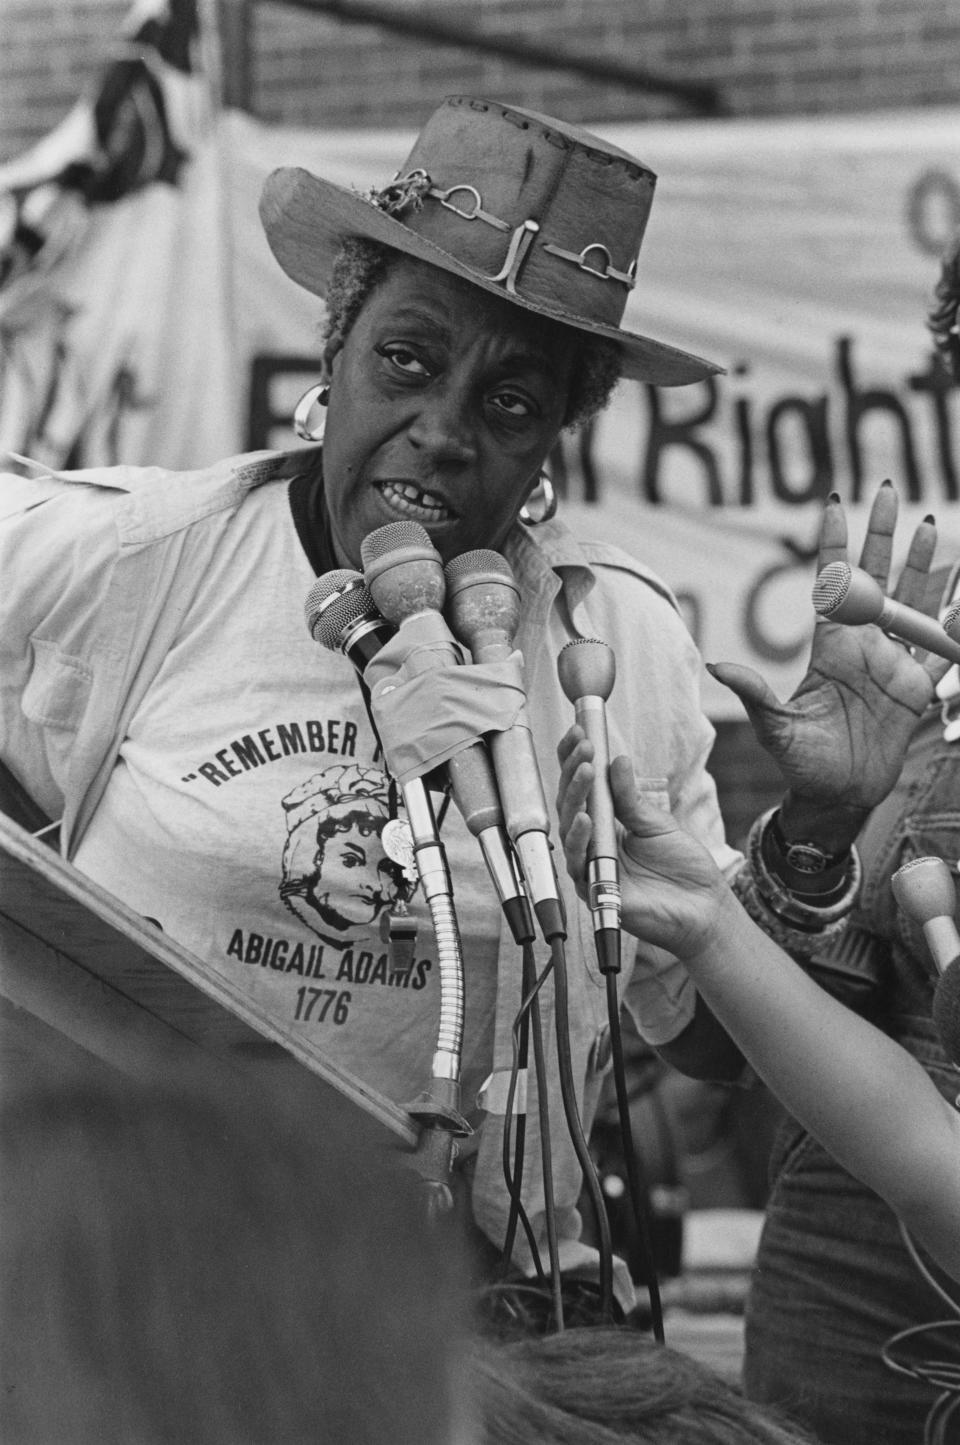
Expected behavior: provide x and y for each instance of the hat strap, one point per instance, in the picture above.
(417, 186)
(608, 271)
(477, 214)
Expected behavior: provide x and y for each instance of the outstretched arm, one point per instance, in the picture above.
(863, 1096)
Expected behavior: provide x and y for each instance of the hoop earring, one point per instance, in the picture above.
(544, 494)
(318, 395)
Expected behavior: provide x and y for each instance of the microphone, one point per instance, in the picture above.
(483, 608)
(849, 595)
(587, 670)
(925, 890)
(405, 578)
(951, 621)
(341, 615)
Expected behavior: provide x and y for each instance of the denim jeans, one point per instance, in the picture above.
(834, 1280)
(833, 1283)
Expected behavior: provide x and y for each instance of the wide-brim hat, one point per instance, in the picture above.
(529, 208)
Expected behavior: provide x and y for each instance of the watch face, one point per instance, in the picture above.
(807, 858)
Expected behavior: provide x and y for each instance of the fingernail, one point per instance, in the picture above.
(886, 482)
(834, 497)
(931, 519)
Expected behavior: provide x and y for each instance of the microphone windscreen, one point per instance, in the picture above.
(586, 667)
(946, 1010)
(924, 889)
(951, 621)
(327, 592)
(480, 563)
(403, 570)
(831, 587)
(332, 622)
(482, 596)
(408, 539)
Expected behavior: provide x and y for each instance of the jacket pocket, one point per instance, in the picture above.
(58, 689)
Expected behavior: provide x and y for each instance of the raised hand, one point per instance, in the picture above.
(670, 886)
(840, 740)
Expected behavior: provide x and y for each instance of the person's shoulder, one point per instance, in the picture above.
(154, 496)
(621, 568)
(610, 565)
(252, 467)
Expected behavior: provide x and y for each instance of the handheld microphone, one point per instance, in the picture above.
(587, 670)
(483, 608)
(849, 595)
(951, 621)
(925, 890)
(405, 579)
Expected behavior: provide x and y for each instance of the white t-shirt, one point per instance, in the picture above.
(244, 816)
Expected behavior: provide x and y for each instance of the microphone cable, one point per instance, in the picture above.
(639, 1191)
(528, 1019)
(575, 1128)
(546, 1149)
(513, 1169)
(942, 1374)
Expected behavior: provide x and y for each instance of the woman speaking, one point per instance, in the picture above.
(212, 766)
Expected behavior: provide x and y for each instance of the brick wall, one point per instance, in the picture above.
(767, 57)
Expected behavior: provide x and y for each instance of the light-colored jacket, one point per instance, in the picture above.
(98, 569)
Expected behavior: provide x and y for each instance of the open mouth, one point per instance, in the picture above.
(411, 501)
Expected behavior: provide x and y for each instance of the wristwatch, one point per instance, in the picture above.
(807, 858)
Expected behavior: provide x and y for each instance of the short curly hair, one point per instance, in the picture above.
(361, 264)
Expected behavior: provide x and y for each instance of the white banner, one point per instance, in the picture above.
(801, 255)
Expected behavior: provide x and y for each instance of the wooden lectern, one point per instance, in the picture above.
(79, 971)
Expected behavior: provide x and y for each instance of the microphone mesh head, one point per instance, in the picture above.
(483, 599)
(393, 537)
(924, 889)
(334, 601)
(586, 668)
(479, 561)
(951, 622)
(831, 587)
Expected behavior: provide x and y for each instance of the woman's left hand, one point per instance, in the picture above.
(841, 739)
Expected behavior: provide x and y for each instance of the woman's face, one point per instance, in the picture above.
(444, 403)
(350, 878)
